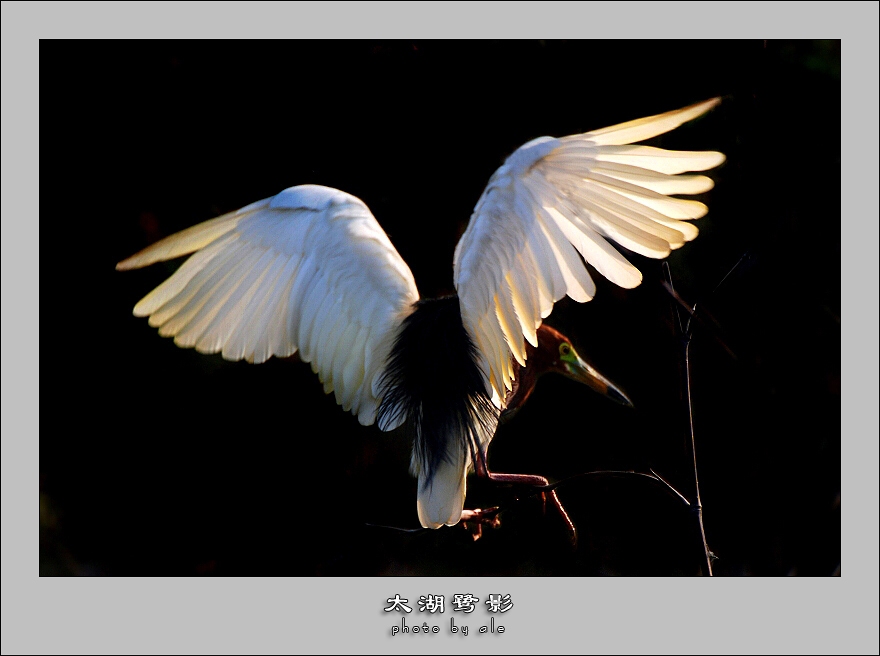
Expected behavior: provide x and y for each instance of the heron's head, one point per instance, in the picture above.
(555, 353)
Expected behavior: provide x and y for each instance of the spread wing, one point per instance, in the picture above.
(307, 270)
(556, 200)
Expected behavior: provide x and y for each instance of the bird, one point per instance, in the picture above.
(310, 271)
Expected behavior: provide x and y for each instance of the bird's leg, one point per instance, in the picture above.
(538, 481)
(533, 480)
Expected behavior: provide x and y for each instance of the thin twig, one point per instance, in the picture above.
(617, 474)
(676, 492)
(742, 258)
(697, 506)
(396, 528)
(703, 316)
(685, 335)
(539, 489)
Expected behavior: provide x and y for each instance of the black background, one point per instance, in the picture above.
(157, 460)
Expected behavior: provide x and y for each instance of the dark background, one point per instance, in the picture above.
(160, 461)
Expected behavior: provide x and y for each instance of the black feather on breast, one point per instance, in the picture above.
(433, 377)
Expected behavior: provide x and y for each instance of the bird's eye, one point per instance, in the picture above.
(564, 349)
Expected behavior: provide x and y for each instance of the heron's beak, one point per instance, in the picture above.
(582, 371)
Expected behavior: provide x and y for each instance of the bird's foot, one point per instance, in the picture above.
(473, 520)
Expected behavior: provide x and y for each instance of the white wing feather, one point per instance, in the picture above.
(307, 270)
(557, 200)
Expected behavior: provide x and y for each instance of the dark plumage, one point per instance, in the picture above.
(432, 376)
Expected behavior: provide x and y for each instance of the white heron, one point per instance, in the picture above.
(310, 270)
